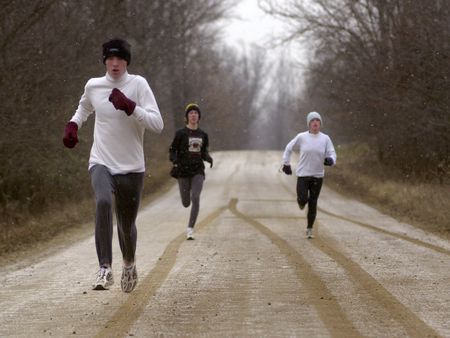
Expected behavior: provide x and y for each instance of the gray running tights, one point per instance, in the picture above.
(190, 190)
(126, 191)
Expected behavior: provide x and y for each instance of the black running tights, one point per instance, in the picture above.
(308, 191)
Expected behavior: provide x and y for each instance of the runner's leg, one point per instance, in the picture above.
(314, 187)
(128, 197)
(103, 187)
(184, 183)
(302, 192)
(196, 189)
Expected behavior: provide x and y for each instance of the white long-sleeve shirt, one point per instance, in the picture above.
(314, 148)
(118, 138)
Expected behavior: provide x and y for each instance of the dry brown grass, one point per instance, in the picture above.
(359, 174)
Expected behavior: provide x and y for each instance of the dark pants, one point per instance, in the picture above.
(308, 190)
(190, 190)
(126, 191)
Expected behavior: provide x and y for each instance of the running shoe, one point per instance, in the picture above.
(190, 233)
(104, 279)
(129, 278)
(309, 233)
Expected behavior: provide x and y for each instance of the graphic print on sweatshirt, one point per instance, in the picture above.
(195, 144)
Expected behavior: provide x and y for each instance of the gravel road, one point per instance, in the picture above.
(250, 272)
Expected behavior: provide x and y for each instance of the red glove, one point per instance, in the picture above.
(120, 101)
(70, 138)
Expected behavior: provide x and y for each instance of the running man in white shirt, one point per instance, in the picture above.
(124, 106)
(316, 150)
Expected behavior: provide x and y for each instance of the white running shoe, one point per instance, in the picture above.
(189, 233)
(104, 279)
(309, 233)
(129, 278)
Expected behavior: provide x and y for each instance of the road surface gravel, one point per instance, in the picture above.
(250, 272)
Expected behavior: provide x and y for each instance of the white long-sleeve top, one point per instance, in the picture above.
(118, 138)
(314, 148)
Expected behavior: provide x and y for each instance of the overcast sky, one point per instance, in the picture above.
(251, 25)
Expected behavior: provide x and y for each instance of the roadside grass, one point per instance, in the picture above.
(358, 174)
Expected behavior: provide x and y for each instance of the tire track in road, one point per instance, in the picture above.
(130, 311)
(414, 326)
(364, 282)
(390, 233)
(380, 230)
(329, 310)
